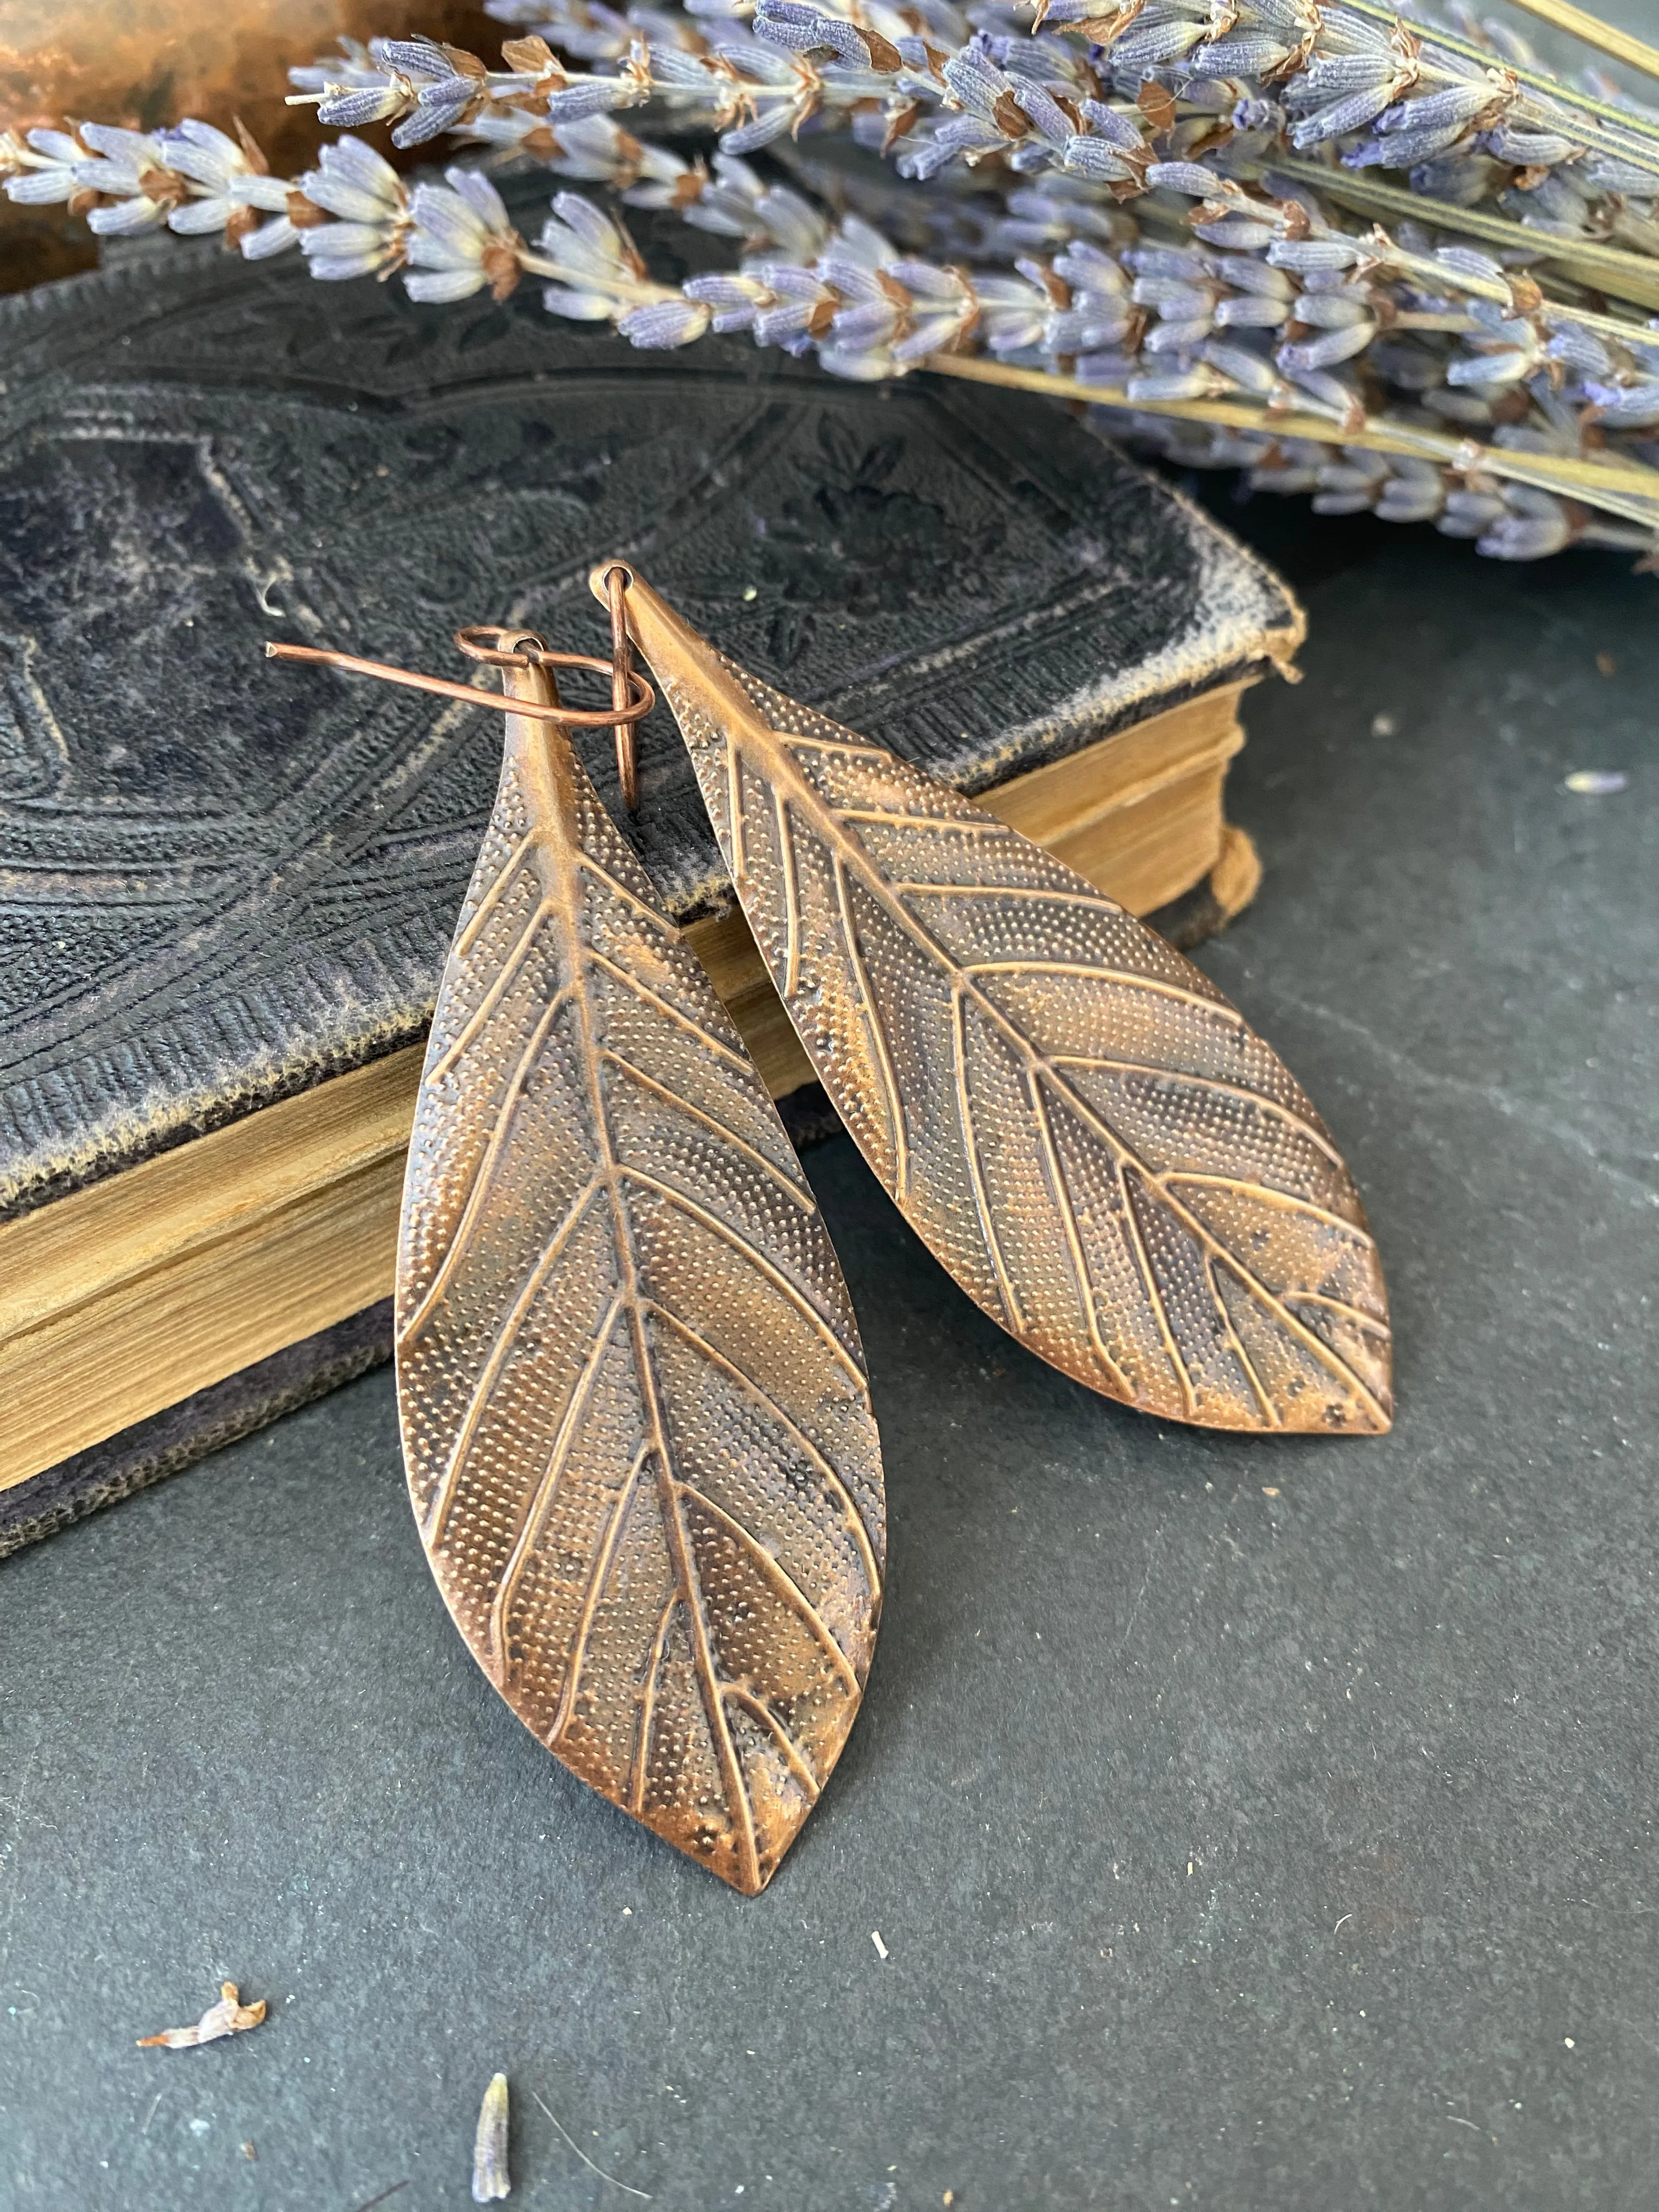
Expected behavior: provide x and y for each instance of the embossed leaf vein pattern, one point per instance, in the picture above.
(635, 1419)
(1084, 1130)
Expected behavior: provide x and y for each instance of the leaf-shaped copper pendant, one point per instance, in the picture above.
(635, 1413)
(1081, 1127)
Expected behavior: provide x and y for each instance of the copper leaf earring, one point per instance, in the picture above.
(1079, 1126)
(634, 1414)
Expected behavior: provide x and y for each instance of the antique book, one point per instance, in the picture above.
(229, 886)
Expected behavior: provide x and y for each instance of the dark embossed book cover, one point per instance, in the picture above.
(223, 882)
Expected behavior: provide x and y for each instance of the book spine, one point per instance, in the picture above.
(176, 1438)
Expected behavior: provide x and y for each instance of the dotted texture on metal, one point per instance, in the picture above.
(632, 1399)
(1086, 1133)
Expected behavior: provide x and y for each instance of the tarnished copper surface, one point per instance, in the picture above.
(635, 1415)
(628, 764)
(632, 697)
(1085, 1132)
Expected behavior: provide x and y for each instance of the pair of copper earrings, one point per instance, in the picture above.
(634, 1413)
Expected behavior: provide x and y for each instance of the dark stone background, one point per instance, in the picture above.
(1260, 1826)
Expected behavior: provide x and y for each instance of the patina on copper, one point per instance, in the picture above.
(636, 1421)
(632, 701)
(1081, 1127)
(628, 768)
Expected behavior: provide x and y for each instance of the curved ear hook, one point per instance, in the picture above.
(617, 581)
(632, 697)
(485, 641)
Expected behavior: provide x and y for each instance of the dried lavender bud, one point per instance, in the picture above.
(733, 300)
(1252, 312)
(1307, 255)
(230, 2016)
(1325, 352)
(1249, 371)
(1631, 406)
(131, 168)
(576, 102)
(1411, 497)
(1341, 117)
(1332, 310)
(664, 323)
(213, 165)
(460, 241)
(1184, 177)
(1526, 536)
(491, 2179)
(39, 166)
(1458, 104)
(1527, 148)
(1198, 382)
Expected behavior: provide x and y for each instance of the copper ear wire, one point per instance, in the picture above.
(473, 639)
(632, 697)
(617, 581)
(529, 649)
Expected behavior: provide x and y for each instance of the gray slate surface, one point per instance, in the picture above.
(1257, 1852)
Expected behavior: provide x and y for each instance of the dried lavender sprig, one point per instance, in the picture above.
(800, 24)
(600, 33)
(670, 321)
(985, 109)
(1196, 321)
(457, 239)
(351, 216)
(1339, 71)
(802, 64)
(1022, 101)
(189, 178)
(1507, 520)
(749, 91)
(1193, 297)
(1311, 76)
(1610, 268)
(880, 315)
(1514, 330)
(868, 311)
